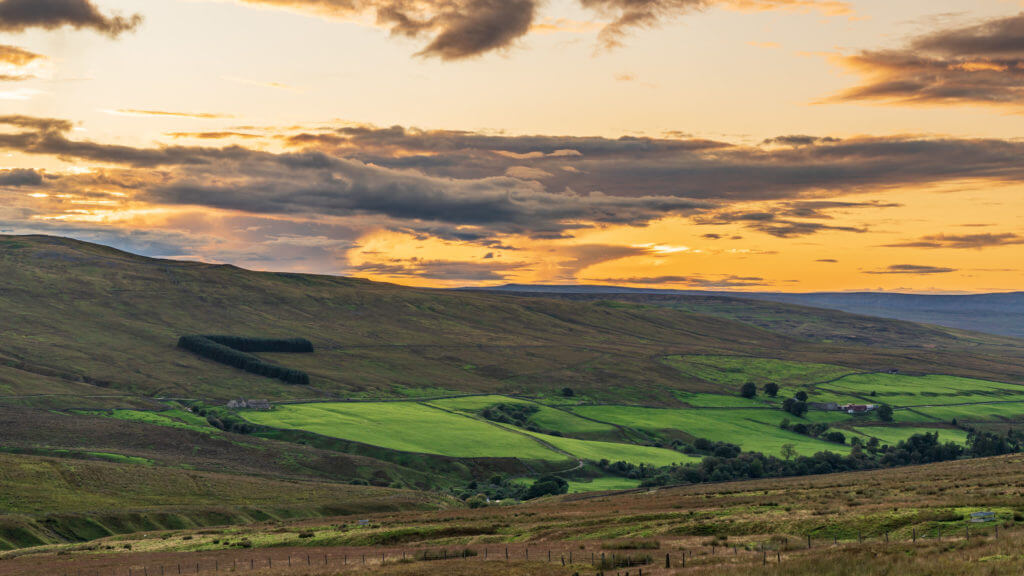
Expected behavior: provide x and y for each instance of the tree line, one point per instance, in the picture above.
(222, 349)
(723, 461)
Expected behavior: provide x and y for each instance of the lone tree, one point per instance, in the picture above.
(788, 451)
(885, 413)
(801, 396)
(748, 390)
(771, 389)
(568, 392)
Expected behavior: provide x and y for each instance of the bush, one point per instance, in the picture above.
(547, 486)
(771, 389)
(568, 392)
(885, 413)
(748, 390)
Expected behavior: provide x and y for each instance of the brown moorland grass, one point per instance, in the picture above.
(859, 523)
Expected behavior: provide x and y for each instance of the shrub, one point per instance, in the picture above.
(748, 390)
(771, 389)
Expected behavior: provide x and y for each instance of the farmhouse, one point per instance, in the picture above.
(858, 408)
(242, 403)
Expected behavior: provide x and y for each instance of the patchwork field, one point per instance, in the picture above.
(750, 429)
(903, 390)
(734, 371)
(546, 417)
(893, 435)
(406, 426)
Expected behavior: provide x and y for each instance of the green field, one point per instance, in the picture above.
(602, 484)
(893, 435)
(734, 371)
(406, 426)
(703, 400)
(753, 430)
(977, 412)
(174, 418)
(546, 417)
(616, 452)
(936, 389)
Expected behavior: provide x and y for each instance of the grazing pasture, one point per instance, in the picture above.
(615, 452)
(935, 389)
(892, 435)
(750, 429)
(734, 371)
(406, 426)
(546, 417)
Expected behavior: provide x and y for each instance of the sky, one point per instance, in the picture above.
(748, 145)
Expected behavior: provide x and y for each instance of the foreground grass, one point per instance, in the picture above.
(859, 524)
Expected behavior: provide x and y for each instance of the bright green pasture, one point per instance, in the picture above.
(976, 412)
(902, 390)
(753, 430)
(702, 400)
(170, 418)
(602, 484)
(734, 371)
(615, 452)
(546, 417)
(893, 435)
(406, 426)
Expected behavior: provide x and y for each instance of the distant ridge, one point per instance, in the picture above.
(1000, 313)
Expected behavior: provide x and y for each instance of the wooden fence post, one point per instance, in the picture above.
(668, 560)
(915, 535)
(808, 541)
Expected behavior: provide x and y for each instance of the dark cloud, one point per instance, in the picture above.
(460, 186)
(912, 269)
(978, 64)
(20, 177)
(460, 29)
(828, 261)
(962, 241)
(690, 281)
(21, 15)
(681, 167)
(780, 223)
(800, 140)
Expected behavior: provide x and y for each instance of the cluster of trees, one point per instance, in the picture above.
(817, 430)
(516, 415)
(749, 390)
(207, 347)
(481, 493)
(918, 449)
(223, 419)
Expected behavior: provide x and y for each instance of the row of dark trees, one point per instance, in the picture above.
(918, 449)
(214, 348)
(247, 344)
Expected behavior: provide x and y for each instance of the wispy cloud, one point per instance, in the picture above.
(912, 269)
(962, 241)
(167, 114)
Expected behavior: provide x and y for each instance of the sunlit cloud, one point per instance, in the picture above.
(979, 64)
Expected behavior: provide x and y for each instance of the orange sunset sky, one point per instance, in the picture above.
(793, 145)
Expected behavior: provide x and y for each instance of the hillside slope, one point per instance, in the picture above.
(93, 322)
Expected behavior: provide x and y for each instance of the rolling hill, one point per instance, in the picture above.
(1000, 313)
(439, 391)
